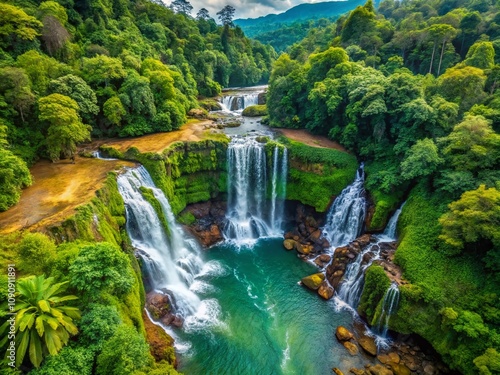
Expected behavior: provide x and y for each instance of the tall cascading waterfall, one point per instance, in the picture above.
(389, 306)
(252, 212)
(352, 285)
(239, 102)
(347, 214)
(171, 259)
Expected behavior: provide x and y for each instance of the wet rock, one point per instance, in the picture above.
(384, 358)
(379, 370)
(315, 236)
(325, 290)
(336, 371)
(209, 236)
(429, 370)
(322, 260)
(158, 305)
(343, 334)
(399, 369)
(364, 240)
(357, 371)
(303, 249)
(351, 348)
(394, 357)
(289, 244)
(368, 345)
(313, 281)
(288, 236)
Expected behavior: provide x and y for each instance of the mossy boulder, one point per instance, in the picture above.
(325, 290)
(313, 281)
(255, 111)
(289, 244)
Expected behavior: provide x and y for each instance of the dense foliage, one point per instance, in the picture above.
(69, 70)
(412, 88)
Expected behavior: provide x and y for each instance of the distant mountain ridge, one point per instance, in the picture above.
(302, 12)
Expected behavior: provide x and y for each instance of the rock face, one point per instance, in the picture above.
(343, 334)
(162, 309)
(313, 281)
(209, 221)
(161, 345)
(261, 98)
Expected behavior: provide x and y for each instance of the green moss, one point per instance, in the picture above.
(255, 111)
(186, 218)
(148, 195)
(376, 285)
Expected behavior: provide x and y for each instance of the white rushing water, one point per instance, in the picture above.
(352, 285)
(346, 216)
(389, 306)
(237, 103)
(172, 260)
(254, 213)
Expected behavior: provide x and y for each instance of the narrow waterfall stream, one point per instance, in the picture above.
(346, 216)
(389, 306)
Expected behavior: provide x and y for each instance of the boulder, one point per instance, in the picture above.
(315, 236)
(289, 244)
(158, 304)
(399, 369)
(336, 371)
(384, 359)
(325, 290)
(303, 249)
(322, 260)
(394, 357)
(357, 371)
(368, 344)
(351, 348)
(343, 334)
(209, 236)
(379, 370)
(313, 281)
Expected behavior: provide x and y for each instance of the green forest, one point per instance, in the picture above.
(412, 88)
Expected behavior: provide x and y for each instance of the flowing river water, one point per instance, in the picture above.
(244, 311)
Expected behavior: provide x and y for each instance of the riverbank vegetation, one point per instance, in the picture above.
(72, 70)
(412, 89)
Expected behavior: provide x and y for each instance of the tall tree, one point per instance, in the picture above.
(226, 15)
(182, 7)
(66, 129)
(203, 14)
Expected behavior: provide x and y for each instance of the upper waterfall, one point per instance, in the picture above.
(255, 191)
(171, 259)
(346, 216)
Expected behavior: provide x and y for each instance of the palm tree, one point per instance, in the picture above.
(43, 322)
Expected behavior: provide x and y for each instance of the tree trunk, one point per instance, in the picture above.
(441, 57)
(432, 58)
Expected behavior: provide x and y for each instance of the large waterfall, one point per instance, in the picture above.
(347, 214)
(239, 102)
(255, 192)
(171, 259)
(352, 285)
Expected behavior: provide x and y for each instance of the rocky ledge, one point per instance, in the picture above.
(207, 221)
(403, 357)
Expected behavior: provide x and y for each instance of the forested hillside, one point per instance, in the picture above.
(412, 88)
(72, 70)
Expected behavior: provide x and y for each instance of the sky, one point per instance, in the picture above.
(246, 8)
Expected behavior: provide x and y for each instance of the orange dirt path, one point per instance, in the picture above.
(303, 136)
(157, 142)
(57, 189)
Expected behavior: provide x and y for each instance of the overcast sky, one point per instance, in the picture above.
(246, 8)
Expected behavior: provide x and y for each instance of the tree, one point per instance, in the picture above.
(14, 175)
(182, 7)
(463, 86)
(36, 253)
(16, 24)
(421, 160)
(488, 363)
(481, 55)
(15, 86)
(226, 15)
(114, 111)
(439, 33)
(78, 90)
(203, 14)
(66, 129)
(124, 353)
(473, 217)
(101, 267)
(44, 323)
(102, 70)
(472, 145)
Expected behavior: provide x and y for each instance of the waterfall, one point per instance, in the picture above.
(234, 103)
(352, 286)
(390, 229)
(347, 214)
(171, 259)
(250, 215)
(389, 306)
